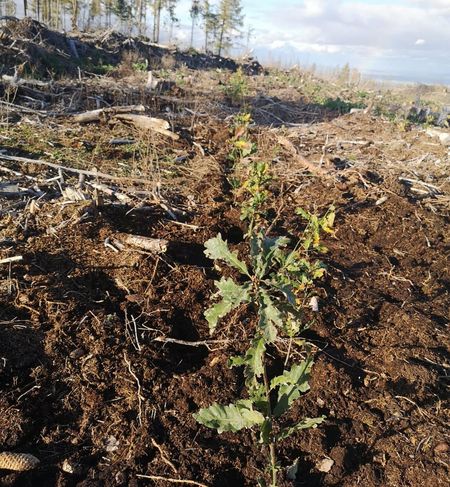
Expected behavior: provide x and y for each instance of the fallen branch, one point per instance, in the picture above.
(96, 115)
(18, 108)
(430, 187)
(187, 225)
(17, 81)
(95, 174)
(139, 389)
(163, 456)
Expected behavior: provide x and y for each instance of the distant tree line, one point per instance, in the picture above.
(219, 20)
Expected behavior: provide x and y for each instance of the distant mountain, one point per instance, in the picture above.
(288, 54)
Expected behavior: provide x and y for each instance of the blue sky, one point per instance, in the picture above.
(400, 39)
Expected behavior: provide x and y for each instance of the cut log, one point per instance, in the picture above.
(148, 123)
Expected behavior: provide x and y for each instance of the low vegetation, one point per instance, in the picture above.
(275, 286)
(125, 207)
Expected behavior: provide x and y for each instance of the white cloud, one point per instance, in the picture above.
(305, 46)
(394, 34)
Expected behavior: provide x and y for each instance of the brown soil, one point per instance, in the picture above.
(86, 387)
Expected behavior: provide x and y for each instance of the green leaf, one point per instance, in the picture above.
(327, 221)
(232, 292)
(233, 417)
(307, 243)
(288, 292)
(303, 213)
(270, 317)
(217, 249)
(304, 424)
(232, 296)
(291, 384)
(293, 323)
(215, 312)
(264, 251)
(258, 396)
(264, 432)
(253, 362)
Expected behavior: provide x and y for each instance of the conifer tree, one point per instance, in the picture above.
(194, 12)
(230, 18)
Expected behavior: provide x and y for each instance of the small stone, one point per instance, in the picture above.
(214, 361)
(314, 303)
(380, 458)
(381, 200)
(442, 135)
(325, 465)
(441, 448)
(112, 444)
(77, 353)
(67, 467)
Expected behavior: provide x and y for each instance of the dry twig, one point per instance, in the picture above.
(139, 394)
(8, 260)
(163, 456)
(173, 481)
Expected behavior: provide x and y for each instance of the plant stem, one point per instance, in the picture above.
(272, 451)
(288, 352)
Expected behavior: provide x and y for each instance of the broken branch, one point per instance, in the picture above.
(95, 174)
(154, 245)
(96, 115)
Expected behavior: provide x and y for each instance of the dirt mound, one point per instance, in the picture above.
(42, 52)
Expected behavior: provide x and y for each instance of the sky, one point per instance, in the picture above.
(404, 40)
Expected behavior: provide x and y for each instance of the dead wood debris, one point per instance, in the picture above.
(87, 192)
(97, 115)
(153, 245)
(148, 123)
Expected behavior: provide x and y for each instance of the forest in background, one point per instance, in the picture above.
(214, 26)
